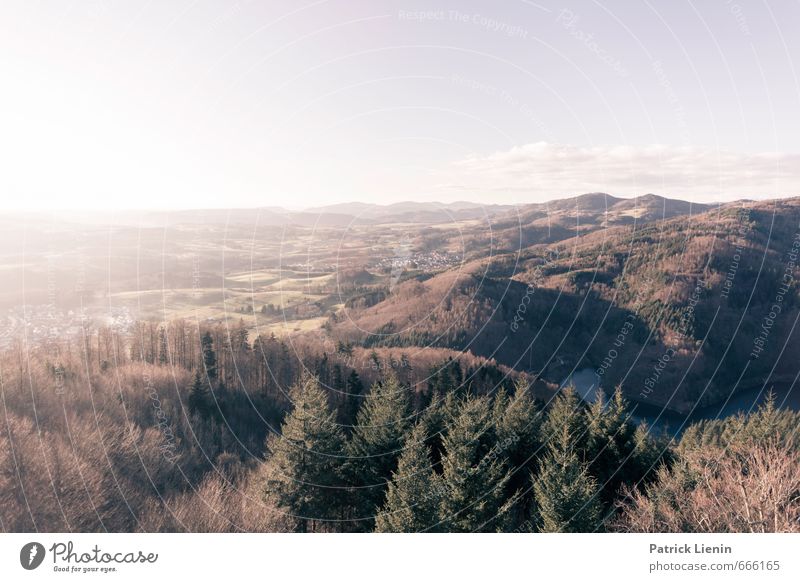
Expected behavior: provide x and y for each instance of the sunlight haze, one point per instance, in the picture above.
(209, 104)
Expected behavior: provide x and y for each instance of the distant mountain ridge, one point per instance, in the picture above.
(589, 210)
(590, 204)
(420, 212)
(552, 221)
(645, 207)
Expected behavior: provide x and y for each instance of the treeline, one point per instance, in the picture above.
(181, 428)
(223, 357)
(464, 463)
(501, 463)
(115, 432)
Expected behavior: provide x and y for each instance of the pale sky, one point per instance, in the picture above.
(185, 104)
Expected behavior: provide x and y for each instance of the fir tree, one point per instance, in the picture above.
(446, 378)
(163, 347)
(474, 477)
(344, 349)
(610, 442)
(209, 356)
(436, 417)
(240, 341)
(323, 370)
(302, 475)
(198, 396)
(382, 425)
(411, 499)
(648, 455)
(339, 388)
(354, 388)
(565, 492)
(567, 409)
(375, 359)
(518, 426)
(764, 424)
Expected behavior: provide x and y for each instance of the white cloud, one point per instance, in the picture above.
(547, 170)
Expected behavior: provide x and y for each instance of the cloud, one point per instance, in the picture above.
(552, 170)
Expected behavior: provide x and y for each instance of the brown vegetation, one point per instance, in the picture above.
(751, 488)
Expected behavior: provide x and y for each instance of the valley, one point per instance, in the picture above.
(661, 297)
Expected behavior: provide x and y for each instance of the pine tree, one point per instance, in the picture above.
(344, 349)
(647, 456)
(163, 347)
(474, 477)
(411, 499)
(240, 340)
(354, 388)
(209, 356)
(339, 388)
(375, 359)
(764, 424)
(565, 492)
(518, 426)
(446, 378)
(198, 396)
(323, 370)
(436, 417)
(567, 409)
(382, 425)
(610, 441)
(302, 475)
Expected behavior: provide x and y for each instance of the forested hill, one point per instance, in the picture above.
(679, 312)
(148, 436)
(557, 220)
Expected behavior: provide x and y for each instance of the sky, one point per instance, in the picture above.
(199, 104)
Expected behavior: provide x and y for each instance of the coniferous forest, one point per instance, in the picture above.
(188, 428)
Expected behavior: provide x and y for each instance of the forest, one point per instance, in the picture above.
(203, 428)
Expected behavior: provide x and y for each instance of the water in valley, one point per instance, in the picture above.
(587, 385)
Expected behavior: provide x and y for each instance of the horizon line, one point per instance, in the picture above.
(312, 208)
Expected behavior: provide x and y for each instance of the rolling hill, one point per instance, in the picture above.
(680, 304)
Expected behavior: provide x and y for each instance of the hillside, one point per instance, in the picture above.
(674, 310)
(557, 220)
(494, 318)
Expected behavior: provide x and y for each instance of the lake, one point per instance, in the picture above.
(587, 384)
